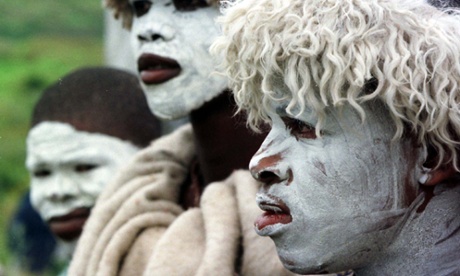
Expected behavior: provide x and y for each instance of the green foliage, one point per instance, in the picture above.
(27, 67)
(70, 18)
(40, 41)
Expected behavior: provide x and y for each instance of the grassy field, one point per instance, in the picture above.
(39, 42)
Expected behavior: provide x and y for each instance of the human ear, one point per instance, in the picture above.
(432, 174)
(431, 177)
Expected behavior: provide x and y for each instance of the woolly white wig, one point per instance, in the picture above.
(329, 52)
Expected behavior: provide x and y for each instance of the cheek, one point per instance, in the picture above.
(94, 182)
(326, 179)
(312, 180)
(134, 42)
(309, 163)
(37, 193)
(136, 29)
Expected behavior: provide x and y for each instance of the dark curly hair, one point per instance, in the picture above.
(101, 100)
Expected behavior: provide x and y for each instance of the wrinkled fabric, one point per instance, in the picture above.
(138, 228)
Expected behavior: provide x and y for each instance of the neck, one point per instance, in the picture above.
(428, 244)
(223, 142)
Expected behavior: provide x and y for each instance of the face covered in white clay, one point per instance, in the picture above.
(69, 169)
(333, 202)
(171, 47)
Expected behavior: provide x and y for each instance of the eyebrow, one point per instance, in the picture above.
(189, 5)
(85, 158)
(32, 166)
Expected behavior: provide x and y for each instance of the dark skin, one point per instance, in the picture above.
(223, 144)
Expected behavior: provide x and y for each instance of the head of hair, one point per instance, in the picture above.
(122, 8)
(327, 53)
(100, 100)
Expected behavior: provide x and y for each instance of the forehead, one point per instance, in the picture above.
(53, 142)
(49, 133)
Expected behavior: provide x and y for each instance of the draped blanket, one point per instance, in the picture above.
(138, 228)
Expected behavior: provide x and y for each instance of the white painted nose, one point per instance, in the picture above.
(62, 189)
(156, 32)
(269, 168)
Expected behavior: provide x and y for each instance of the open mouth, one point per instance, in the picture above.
(70, 226)
(155, 69)
(275, 212)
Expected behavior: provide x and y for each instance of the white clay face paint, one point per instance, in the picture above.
(348, 191)
(188, 36)
(69, 169)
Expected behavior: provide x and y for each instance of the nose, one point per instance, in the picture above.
(268, 177)
(62, 189)
(269, 169)
(156, 32)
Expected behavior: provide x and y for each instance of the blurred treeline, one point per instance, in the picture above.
(40, 41)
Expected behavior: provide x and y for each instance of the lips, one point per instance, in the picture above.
(70, 226)
(155, 69)
(275, 212)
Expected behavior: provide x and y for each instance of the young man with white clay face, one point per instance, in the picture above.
(84, 128)
(183, 207)
(360, 168)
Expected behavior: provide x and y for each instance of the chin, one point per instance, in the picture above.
(170, 114)
(305, 269)
(298, 266)
(167, 109)
(318, 261)
(170, 106)
(313, 261)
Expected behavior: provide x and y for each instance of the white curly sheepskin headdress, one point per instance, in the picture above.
(326, 52)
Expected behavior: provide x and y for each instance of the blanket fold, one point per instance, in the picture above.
(142, 196)
(138, 228)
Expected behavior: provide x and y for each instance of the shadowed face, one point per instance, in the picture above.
(170, 42)
(335, 201)
(69, 169)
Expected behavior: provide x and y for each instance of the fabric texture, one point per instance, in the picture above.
(138, 228)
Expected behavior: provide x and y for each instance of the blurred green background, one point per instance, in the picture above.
(40, 41)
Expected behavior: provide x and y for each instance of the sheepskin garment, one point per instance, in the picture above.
(138, 228)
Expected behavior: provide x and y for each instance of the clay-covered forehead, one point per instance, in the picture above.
(122, 8)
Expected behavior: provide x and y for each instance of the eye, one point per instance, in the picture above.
(42, 173)
(189, 5)
(81, 168)
(141, 7)
(300, 129)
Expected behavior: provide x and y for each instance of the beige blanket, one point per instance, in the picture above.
(137, 227)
